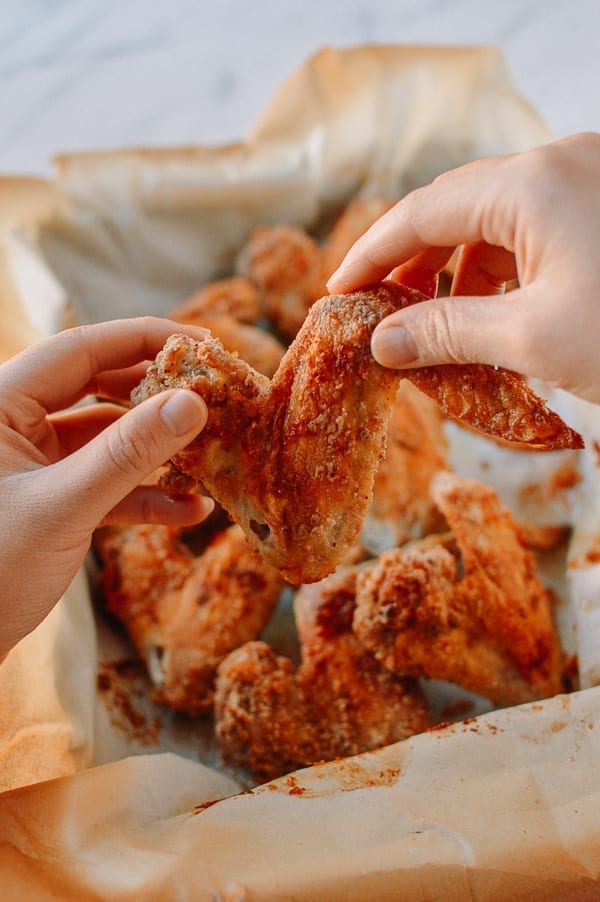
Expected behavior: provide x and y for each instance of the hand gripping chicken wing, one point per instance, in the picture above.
(286, 265)
(483, 621)
(184, 614)
(292, 459)
(339, 702)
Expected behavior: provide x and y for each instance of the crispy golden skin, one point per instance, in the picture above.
(286, 265)
(236, 297)
(492, 400)
(184, 614)
(292, 459)
(417, 448)
(261, 350)
(228, 308)
(489, 629)
(290, 268)
(339, 702)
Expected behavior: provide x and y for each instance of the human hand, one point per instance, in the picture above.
(534, 216)
(63, 472)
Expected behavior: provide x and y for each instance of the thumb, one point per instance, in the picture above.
(103, 472)
(452, 330)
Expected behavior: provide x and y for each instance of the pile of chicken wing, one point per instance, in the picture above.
(335, 473)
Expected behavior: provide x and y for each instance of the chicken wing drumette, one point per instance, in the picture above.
(479, 617)
(290, 268)
(339, 702)
(185, 613)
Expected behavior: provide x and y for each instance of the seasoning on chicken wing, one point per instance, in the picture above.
(292, 459)
(339, 702)
(184, 614)
(417, 447)
(483, 621)
(227, 308)
(286, 265)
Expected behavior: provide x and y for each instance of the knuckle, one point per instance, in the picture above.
(444, 336)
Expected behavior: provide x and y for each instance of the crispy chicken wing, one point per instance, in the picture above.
(417, 448)
(287, 267)
(339, 702)
(184, 614)
(290, 268)
(292, 459)
(480, 618)
(258, 348)
(228, 308)
(236, 297)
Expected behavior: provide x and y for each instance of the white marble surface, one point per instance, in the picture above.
(83, 74)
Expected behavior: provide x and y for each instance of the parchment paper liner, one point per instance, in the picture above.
(502, 806)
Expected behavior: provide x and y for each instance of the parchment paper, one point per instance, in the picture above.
(503, 806)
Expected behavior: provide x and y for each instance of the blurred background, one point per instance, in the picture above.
(88, 74)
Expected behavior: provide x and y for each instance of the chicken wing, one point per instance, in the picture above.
(228, 308)
(480, 617)
(293, 460)
(339, 702)
(184, 614)
(290, 268)
(287, 267)
(417, 448)
(236, 297)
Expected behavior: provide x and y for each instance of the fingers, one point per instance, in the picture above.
(148, 504)
(80, 355)
(75, 428)
(462, 206)
(422, 271)
(483, 269)
(96, 478)
(452, 330)
(117, 384)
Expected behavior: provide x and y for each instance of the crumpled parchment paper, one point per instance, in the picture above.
(502, 806)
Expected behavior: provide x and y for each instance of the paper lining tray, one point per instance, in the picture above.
(495, 807)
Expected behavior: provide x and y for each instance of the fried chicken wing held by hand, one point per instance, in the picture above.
(417, 448)
(339, 702)
(490, 629)
(492, 400)
(287, 267)
(292, 460)
(184, 614)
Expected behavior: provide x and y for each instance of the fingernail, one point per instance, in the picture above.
(182, 412)
(331, 282)
(393, 346)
